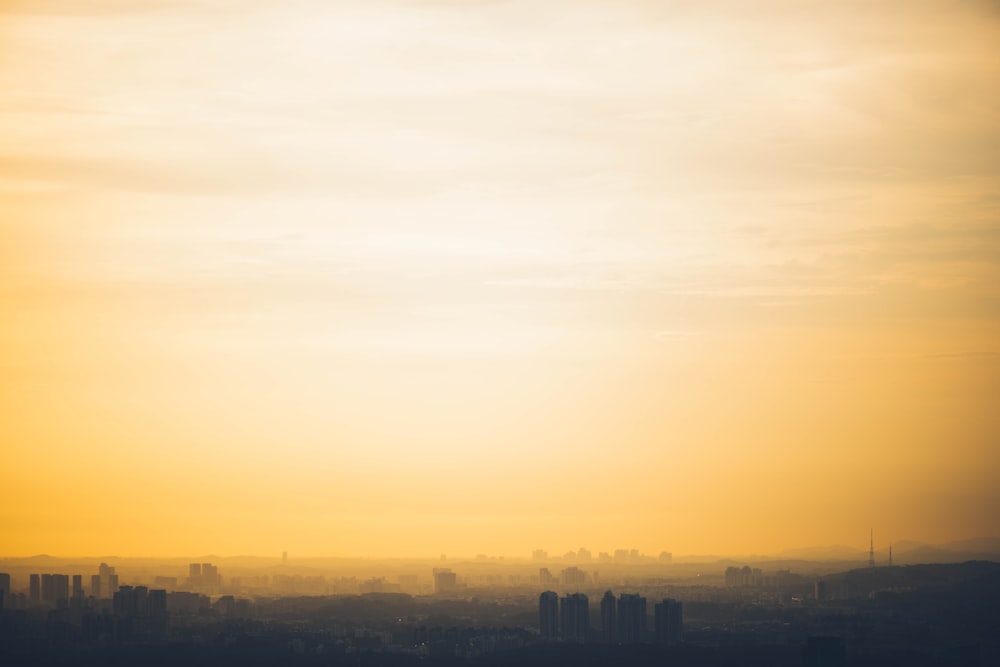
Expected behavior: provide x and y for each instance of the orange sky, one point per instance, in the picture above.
(412, 277)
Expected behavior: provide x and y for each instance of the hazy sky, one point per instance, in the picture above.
(411, 277)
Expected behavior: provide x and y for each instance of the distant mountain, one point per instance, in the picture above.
(905, 552)
(837, 552)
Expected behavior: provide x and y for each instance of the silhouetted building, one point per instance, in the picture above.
(60, 589)
(574, 617)
(48, 589)
(631, 618)
(95, 585)
(548, 614)
(444, 580)
(668, 621)
(4, 590)
(194, 570)
(573, 577)
(77, 586)
(35, 589)
(609, 618)
(210, 575)
(109, 580)
(157, 603)
(545, 577)
(819, 590)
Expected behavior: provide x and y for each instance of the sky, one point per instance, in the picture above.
(401, 278)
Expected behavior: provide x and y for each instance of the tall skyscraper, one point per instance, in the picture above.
(548, 614)
(95, 585)
(609, 618)
(35, 588)
(574, 617)
(109, 580)
(631, 618)
(668, 621)
(60, 589)
(77, 586)
(4, 589)
(48, 589)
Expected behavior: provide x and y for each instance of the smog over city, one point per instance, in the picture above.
(499, 332)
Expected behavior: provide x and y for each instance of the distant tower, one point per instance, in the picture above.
(871, 548)
(890, 555)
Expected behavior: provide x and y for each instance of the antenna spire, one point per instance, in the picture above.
(871, 548)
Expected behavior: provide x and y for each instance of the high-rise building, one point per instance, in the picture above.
(95, 585)
(573, 577)
(35, 588)
(77, 586)
(60, 589)
(4, 589)
(444, 580)
(574, 617)
(668, 621)
(194, 570)
(631, 618)
(157, 603)
(609, 618)
(210, 574)
(48, 589)
(109, 580)
(548, 614)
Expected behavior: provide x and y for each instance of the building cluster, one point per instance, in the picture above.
(203, 575)
(445, 581)
(618, 556)
(624, 620)
(754, 577)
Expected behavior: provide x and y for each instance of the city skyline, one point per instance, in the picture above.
(422, 277)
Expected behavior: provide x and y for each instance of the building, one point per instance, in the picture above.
(668, 621)
(35, 588)
(444, 580)
(631, 618)
(574, 617)
(77, 586)
(548, 614)
(573, 577)
(609, 618)
(108, 581)
(60, 589)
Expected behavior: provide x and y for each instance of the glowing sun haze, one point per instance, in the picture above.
(411, 277)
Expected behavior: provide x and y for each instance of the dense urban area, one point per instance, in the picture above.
(613, 608)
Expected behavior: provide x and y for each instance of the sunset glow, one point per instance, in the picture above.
(420, 277)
